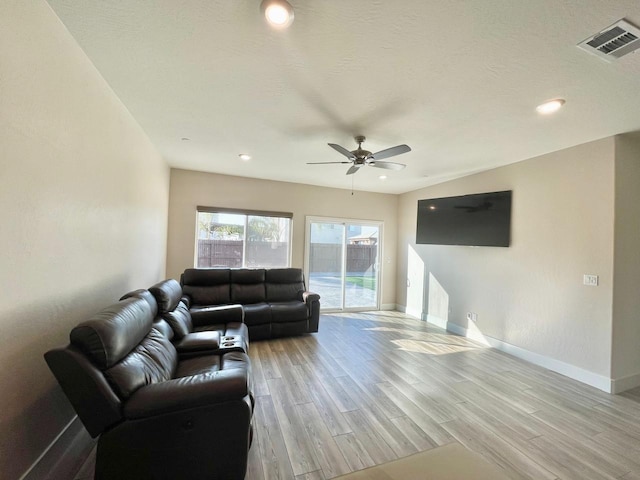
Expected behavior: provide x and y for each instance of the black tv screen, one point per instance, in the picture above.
(482, 219)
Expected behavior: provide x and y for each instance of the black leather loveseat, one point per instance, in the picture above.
(275, 301)
(219, 329)
(158, 415)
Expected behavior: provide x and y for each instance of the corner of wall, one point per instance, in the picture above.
(625, 354)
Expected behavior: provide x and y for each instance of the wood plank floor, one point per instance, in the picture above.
(373, 387)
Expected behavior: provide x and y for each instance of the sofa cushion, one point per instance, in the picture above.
(284, 275)
(247, 276)
(284, 284)
(146, 295)
(168, 294)
(247, 286)
(205, 277)
(153, 360)
(180, 320)
(257, 314)
(163, 327)
(198, 365)
(207, 286)
(288, 311)
(113, 332)
(213, 295)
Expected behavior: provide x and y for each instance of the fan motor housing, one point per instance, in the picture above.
(361, 154)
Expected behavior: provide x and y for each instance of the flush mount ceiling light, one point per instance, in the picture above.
(382, 177)
(551, 106)
(279, 13)
(245, 157)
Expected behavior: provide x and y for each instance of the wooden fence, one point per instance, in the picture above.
(228, 253)
(323, 258)
(327, 257)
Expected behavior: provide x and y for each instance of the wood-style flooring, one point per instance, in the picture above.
(373, 387)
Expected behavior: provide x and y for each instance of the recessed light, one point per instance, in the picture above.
(551, 106)
(382, 177)
(244, 156)
(279, 13)
(185, 139)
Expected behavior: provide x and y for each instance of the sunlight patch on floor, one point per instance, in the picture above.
(430, 348)
(431, 337)
(389, 317)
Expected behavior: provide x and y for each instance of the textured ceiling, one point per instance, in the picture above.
(458, 81)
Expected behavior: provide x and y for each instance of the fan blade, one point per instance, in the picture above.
(388, 165)
(391, 152)
(327, 163)
(353, 169)
(342, 150)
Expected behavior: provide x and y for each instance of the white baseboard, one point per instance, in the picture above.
(600, 382)
(415, 313)
(64, 456)
(437, 321)
(623, 384)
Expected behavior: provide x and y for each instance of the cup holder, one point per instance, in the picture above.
(228, 339)
(228, 344)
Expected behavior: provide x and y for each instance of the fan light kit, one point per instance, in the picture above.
(364, 158)
(279, 13)
(244, 157)
(551, 106)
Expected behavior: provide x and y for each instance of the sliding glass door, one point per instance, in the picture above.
(342, 263)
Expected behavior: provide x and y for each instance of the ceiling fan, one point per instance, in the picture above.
(359, 157)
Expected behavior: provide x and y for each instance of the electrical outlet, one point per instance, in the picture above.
(472, 316)
(591, 280)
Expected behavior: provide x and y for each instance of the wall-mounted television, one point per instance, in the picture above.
(482, 219)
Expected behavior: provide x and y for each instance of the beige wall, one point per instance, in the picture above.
(190, 189)
(529, 295)
(84, 199)
(626, 293)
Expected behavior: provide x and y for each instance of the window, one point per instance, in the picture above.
(242, 238)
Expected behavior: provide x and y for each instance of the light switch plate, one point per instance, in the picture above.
(590, 280)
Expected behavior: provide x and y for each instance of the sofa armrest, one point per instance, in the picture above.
(203, 315)
(188, 392)
(206, 341)
(312, 301)
(93, 399)
(308, 297)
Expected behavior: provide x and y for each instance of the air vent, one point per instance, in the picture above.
(614, 41)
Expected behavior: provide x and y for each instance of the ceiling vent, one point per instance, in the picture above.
(613, 42)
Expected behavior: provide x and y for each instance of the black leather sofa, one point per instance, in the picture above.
(159, 415)
(275, 301)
